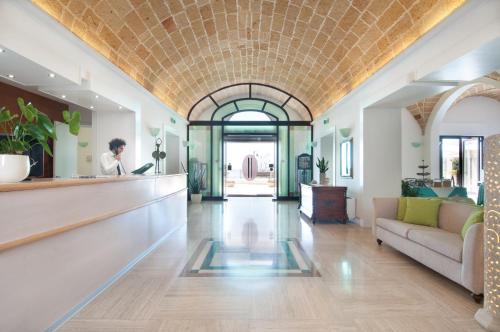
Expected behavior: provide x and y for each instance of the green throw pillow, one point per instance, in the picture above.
(422, 211)
(476, 217)
(426, 192)
(401, 208)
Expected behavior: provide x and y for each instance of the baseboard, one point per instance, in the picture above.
(73, 311)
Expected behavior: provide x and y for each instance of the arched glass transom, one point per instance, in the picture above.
(249, 96)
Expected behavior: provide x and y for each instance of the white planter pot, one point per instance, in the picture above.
(196, 198)
(14, 168)
(323, 180)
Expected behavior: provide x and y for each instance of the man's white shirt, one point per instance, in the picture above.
(109, 164)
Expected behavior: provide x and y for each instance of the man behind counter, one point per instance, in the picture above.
(111, 161)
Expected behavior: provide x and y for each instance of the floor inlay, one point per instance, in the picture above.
(285, 258)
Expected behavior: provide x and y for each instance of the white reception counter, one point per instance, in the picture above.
(64, 241)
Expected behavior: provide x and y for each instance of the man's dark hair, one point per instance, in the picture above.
(115, 143)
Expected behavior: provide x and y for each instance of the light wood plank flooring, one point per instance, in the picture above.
(363, 287)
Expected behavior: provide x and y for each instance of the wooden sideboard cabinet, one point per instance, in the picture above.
(323, 203)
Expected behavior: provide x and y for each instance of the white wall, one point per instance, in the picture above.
(475, 116)
(410, 133)
(60, 51)
(108, 125)
(382, 155)
(474, 24)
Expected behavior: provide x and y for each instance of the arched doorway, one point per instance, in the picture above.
(455, 130)
(248, 112)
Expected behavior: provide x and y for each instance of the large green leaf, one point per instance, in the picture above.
(66, 116)
(6, 116)
(35, 131)
(73, 120)
(28, 111)
(74, 123)
(46, 124)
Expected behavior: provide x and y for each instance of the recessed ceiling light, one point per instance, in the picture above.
(2, 50)
(91, 107)
(63, 96)
(119, 107)
(52, 75)
(96, 96)
(10, 76)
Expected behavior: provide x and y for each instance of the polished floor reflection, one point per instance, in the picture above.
(363, 287)
(251, 245)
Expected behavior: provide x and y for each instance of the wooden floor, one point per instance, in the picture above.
(363, 287)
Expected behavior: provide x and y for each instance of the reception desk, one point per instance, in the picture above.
(62, 241)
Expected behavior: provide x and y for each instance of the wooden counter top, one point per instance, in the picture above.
(58, 183)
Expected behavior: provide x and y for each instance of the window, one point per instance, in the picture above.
(250, 116)
(462, 160)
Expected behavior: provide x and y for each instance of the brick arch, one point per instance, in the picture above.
(486, 87)
(423, 109)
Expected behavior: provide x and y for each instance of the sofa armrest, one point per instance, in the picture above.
(384, 207)
(473, 259)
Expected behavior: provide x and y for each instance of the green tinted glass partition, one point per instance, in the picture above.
(199, 154)
(283, 161)
(300, 142)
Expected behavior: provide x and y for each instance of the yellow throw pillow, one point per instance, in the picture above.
(422, 211)
(475, 217)
(401, 208)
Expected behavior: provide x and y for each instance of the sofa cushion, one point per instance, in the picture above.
(426, 192)
(397, 227)
(401, 208)
(443, 242)
(476, 216)
(421, 211)
(452, 215)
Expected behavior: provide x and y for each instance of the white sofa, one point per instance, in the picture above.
(441, 249)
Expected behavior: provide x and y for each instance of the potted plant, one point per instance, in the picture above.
(322, 165)
(195, 182)
(23, 131)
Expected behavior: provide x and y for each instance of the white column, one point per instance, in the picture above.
(489, 316)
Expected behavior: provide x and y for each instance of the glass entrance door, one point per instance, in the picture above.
(249, 167)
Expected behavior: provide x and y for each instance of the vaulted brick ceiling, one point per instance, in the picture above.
(318, 50)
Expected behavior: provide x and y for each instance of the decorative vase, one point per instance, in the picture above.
(196, 198)
(14, 168)
(323, 180)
